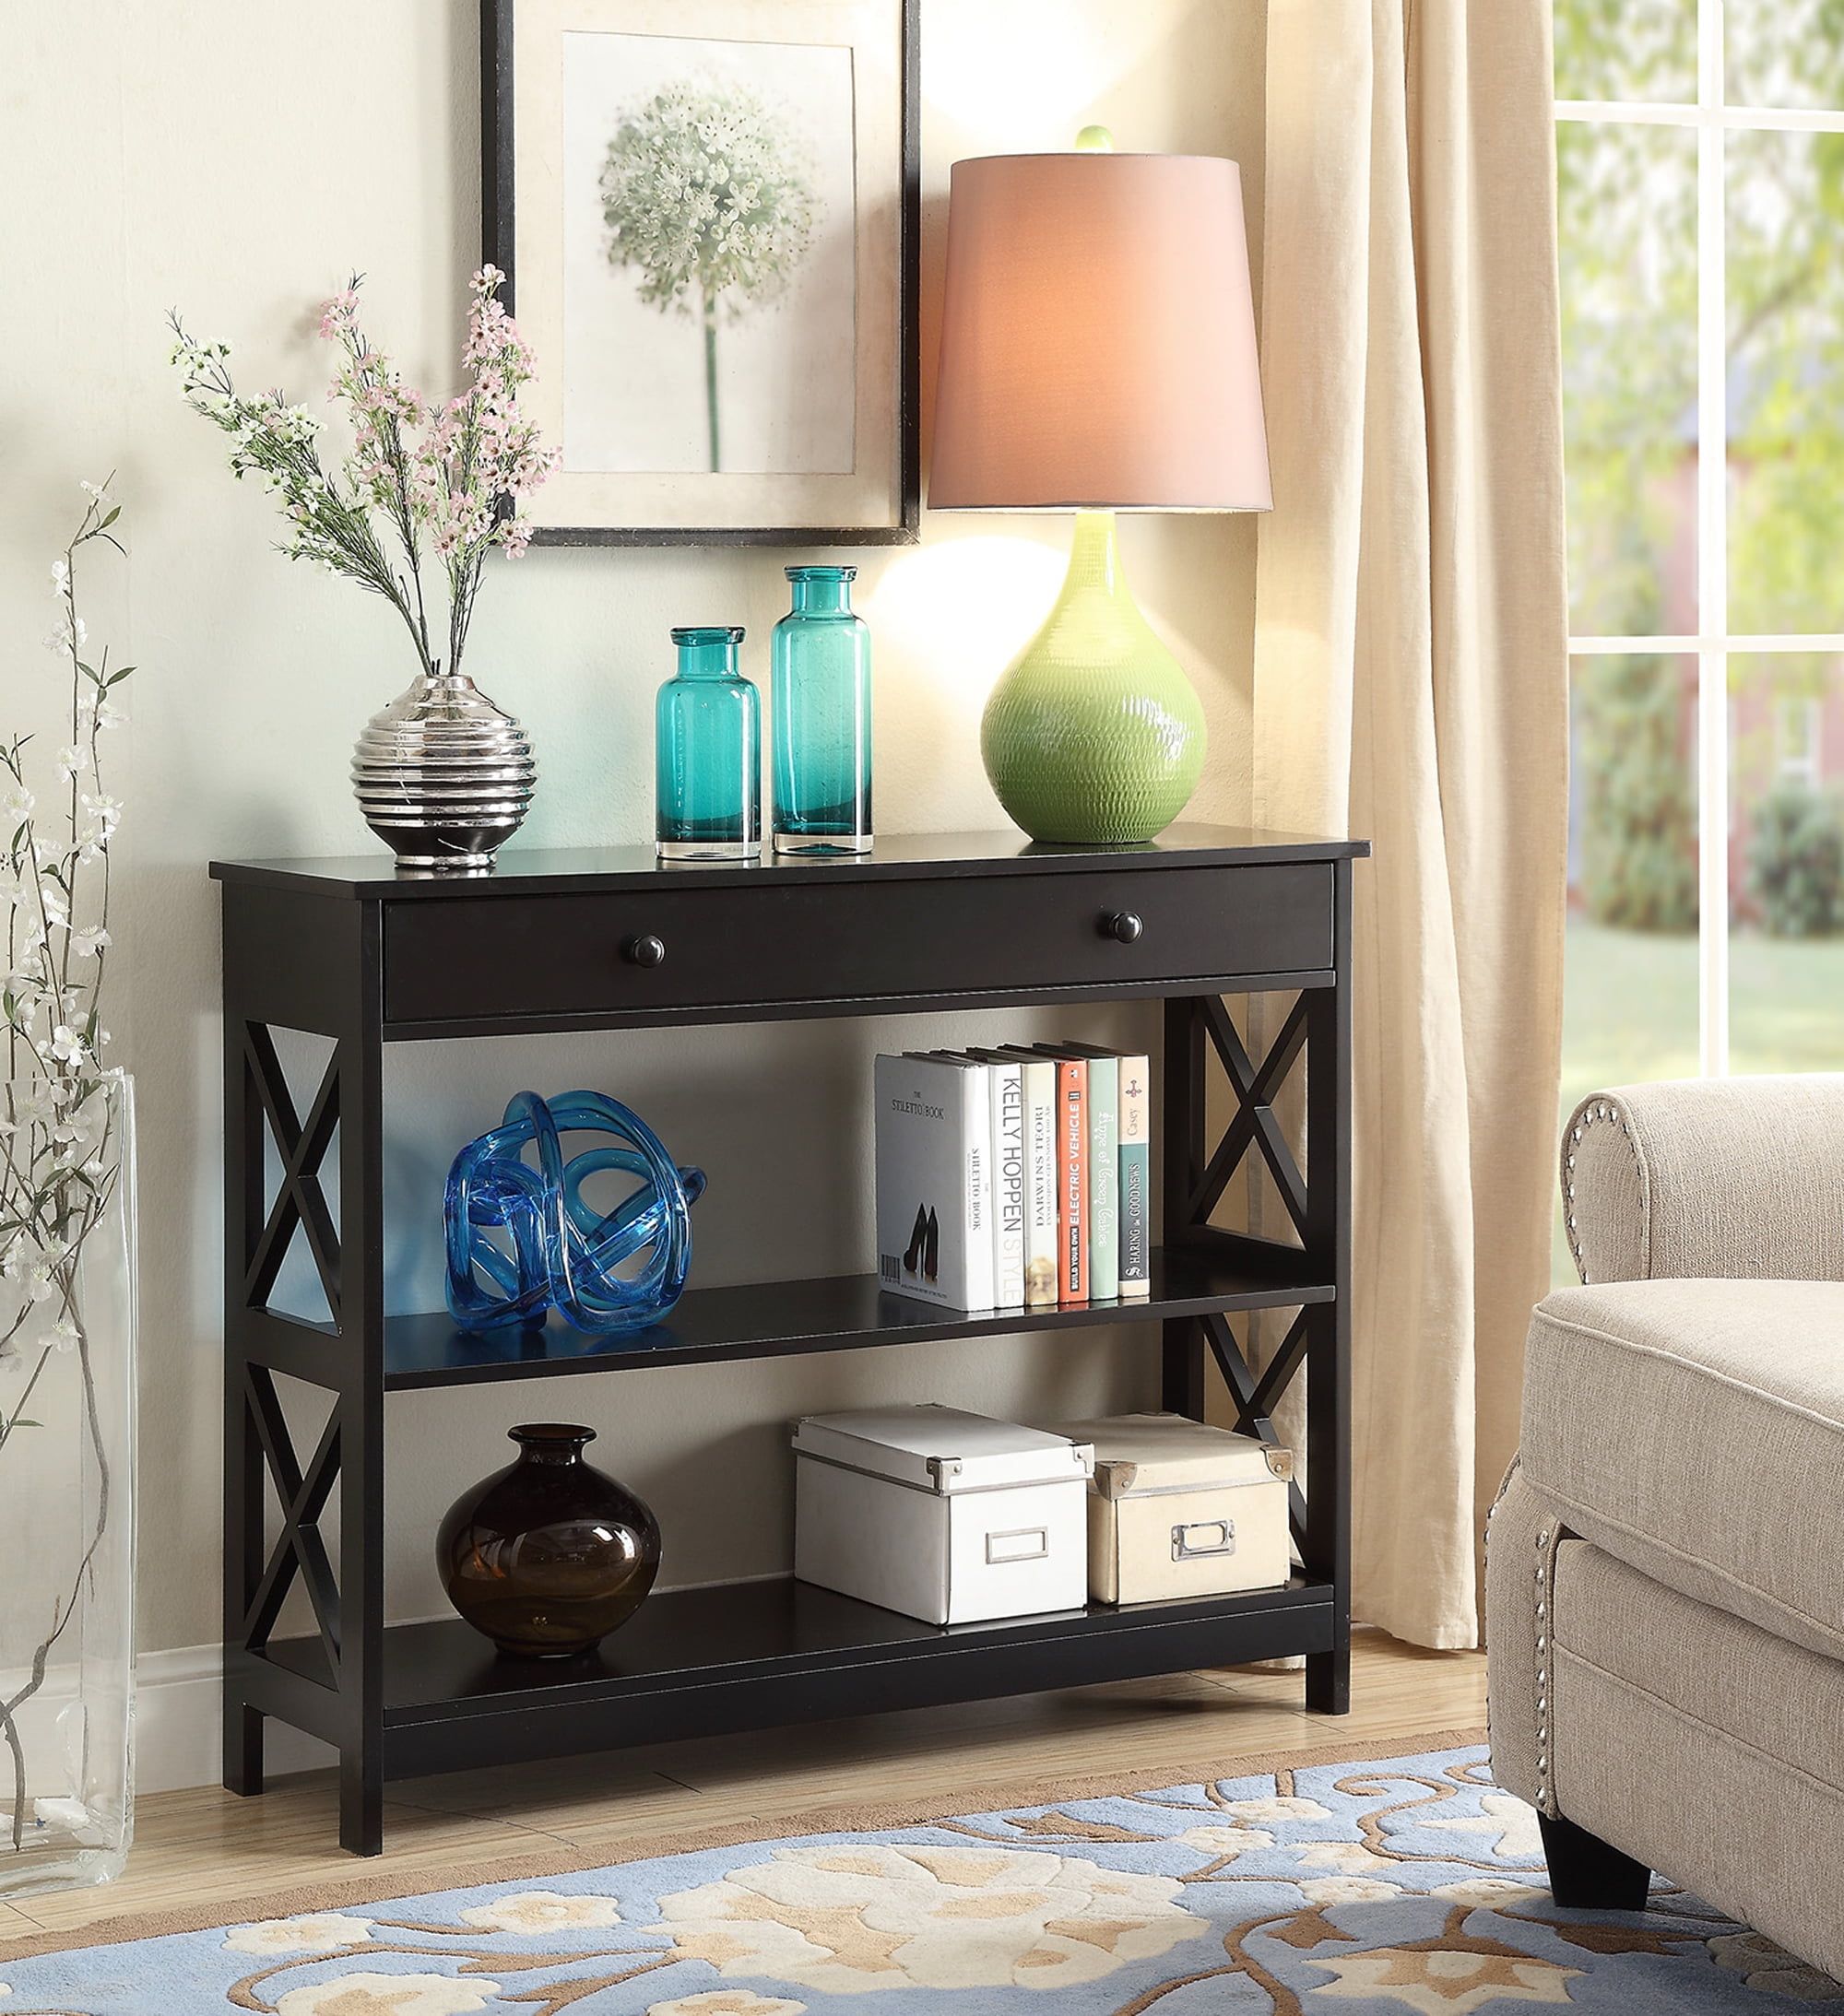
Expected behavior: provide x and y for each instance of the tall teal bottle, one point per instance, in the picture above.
(707, 751)
(820, 698)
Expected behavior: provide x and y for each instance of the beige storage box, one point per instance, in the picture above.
(1178, 1509)
(943, 1515)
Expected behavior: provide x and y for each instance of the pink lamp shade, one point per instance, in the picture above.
(1098, 338)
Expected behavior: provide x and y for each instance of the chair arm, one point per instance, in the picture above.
(1739, 1179)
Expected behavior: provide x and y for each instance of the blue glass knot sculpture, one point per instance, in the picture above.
(521, 1240)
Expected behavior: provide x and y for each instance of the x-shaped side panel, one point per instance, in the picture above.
(300, 1200)
(1254, 1125)
(1256, 1397)
(302, 1494)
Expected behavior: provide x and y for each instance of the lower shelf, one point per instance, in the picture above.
(754, 1655)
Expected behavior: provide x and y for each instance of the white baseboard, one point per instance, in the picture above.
(178, 1718)
(178, 1721)
(179, 1725)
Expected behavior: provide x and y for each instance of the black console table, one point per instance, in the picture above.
(351, 951)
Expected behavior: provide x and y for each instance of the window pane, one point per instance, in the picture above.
(1786, 391)
(1627, 48)
(1628, 243)
(1630, 976)
(1783, 51)
(1786, 862)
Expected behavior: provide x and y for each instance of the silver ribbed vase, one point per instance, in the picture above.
(443, 777)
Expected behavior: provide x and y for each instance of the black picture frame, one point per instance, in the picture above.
(498, 213)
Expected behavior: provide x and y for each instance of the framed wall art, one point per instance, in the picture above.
(708, 212)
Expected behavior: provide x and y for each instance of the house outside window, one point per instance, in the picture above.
(1700, 168)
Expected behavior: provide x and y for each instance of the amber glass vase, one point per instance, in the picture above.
(550, 1555)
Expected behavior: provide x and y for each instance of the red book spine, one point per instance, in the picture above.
(1072, 1177)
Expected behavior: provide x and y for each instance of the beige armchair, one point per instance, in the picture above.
(1665, 1564)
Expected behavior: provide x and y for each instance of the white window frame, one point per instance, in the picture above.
(1804, 764)
(1712, 646)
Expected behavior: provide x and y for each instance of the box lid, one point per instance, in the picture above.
(939, 1448)
(1136, 1453)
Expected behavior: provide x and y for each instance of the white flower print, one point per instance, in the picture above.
(314, 1932)
(388, 1994)
(1226, 1841)
(1338, 1890)
(1264, 1811)
(728, 2002)
(1347, 1858)
(849, 1916)
(534, 1912)
(1484, 1889)
(1764, 1965)
(1509, 1819)
(1443, 1984)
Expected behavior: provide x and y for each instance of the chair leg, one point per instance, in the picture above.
(1587, 1875)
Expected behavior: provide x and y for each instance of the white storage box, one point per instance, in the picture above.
(946, 1517)
(1181, 1509)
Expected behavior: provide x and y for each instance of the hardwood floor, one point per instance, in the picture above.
(196, 1846)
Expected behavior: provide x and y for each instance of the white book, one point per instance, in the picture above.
(1006, 1078)
(1004, 1193)
(934, 1180)
(1041, 1163)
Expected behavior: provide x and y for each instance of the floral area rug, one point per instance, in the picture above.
(1407, 1884)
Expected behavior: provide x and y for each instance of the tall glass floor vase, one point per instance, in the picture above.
(67, 1484)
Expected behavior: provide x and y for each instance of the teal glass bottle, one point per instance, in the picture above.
(707, 752)
(819, 698)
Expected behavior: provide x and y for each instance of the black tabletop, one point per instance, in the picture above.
(538, 870)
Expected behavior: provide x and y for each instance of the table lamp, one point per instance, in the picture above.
(1097, 354)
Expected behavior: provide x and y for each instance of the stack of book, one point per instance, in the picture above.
(1017, 1178)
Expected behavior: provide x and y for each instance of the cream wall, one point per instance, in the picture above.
(236, 157)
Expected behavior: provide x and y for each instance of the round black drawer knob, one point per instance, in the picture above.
(1121, 926)
(646, 951)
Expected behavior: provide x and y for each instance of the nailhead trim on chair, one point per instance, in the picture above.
(1546, 1537)
(1600, 1109)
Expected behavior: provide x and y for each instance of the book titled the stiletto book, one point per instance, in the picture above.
(934, 1180)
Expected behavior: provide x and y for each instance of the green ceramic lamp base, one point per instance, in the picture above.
(1093, 733)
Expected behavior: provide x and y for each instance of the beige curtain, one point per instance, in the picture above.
(1411, 686)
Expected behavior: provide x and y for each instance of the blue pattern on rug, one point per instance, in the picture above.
(1355, 1890)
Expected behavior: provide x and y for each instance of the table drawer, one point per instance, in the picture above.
(783, 940)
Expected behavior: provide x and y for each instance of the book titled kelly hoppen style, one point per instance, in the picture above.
(1014, 1178)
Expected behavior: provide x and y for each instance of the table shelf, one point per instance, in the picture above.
(840, 1313)
(744, 1654)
